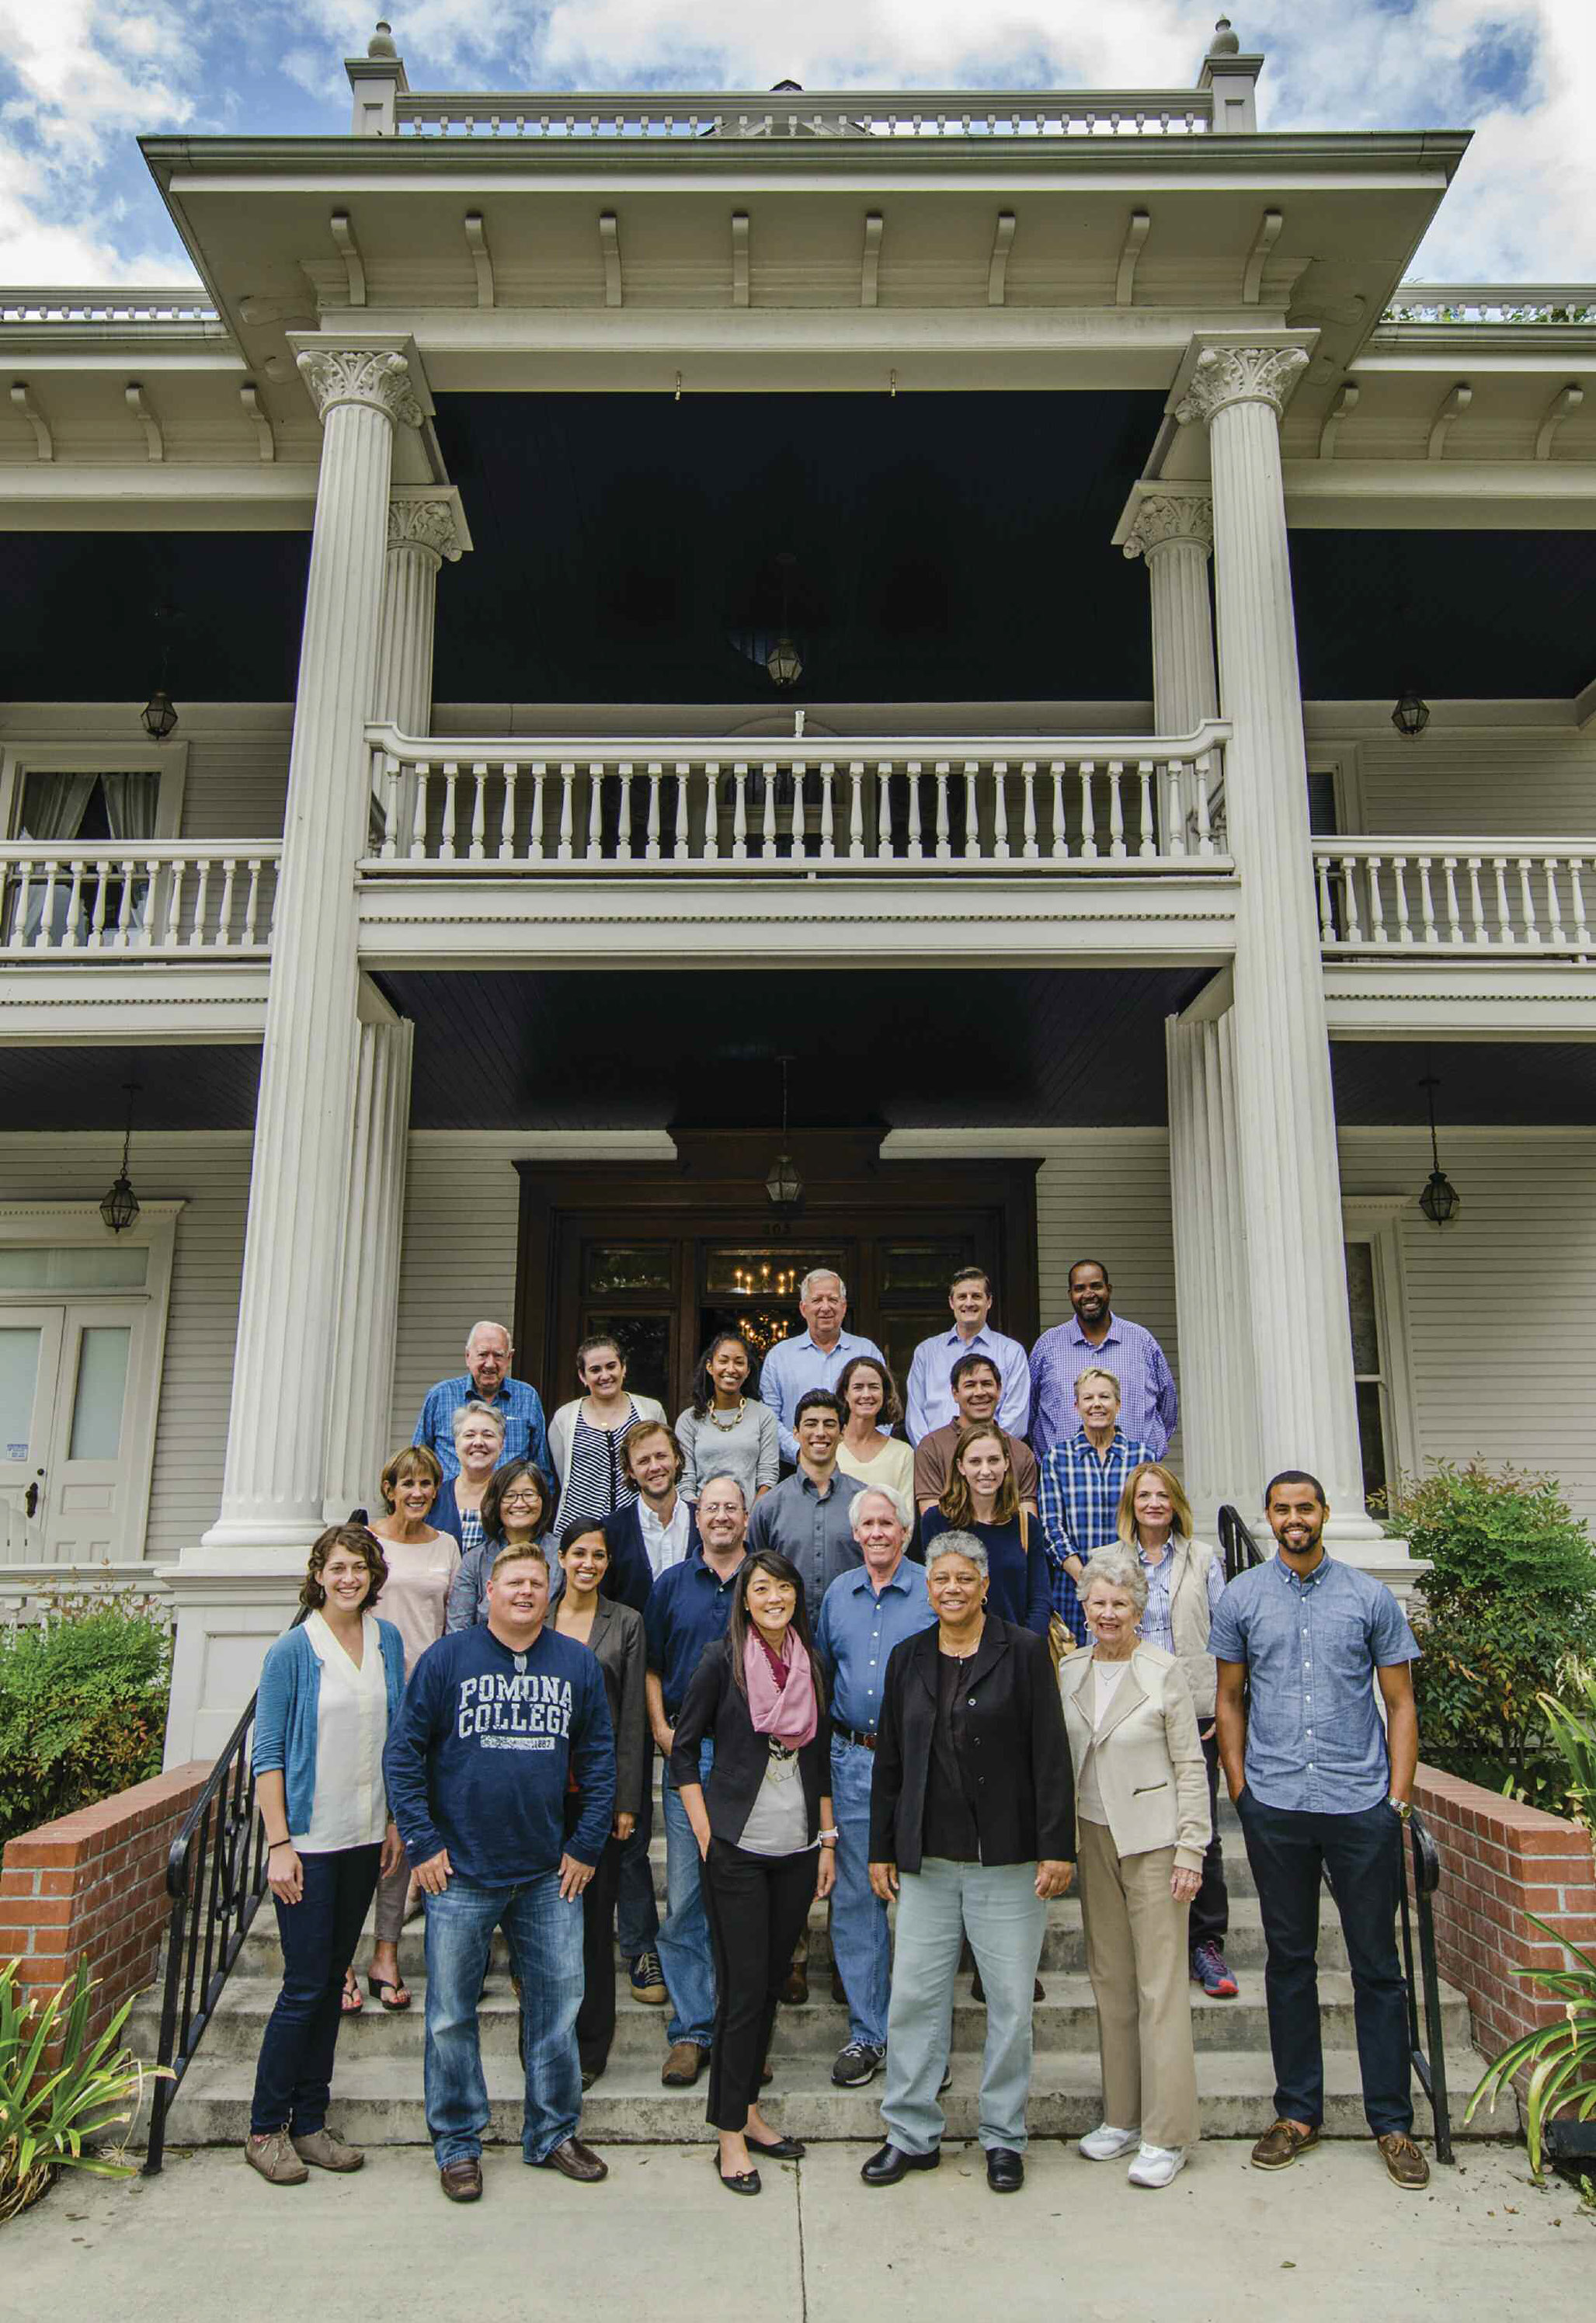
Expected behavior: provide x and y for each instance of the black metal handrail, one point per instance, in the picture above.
(215, 1875)
(1236, 1544)
(1428, 2054)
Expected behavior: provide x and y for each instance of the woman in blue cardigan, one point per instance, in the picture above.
(329, 1689)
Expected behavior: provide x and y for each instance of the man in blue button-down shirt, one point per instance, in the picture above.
(486, 1379)
(1321, 1788)
(814, 1358)
(864, 1616)
(929, 1401)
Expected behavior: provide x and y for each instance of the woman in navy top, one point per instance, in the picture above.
(983, 1496)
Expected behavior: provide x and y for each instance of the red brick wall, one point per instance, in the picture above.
(1499, 1860)
(93, 1884)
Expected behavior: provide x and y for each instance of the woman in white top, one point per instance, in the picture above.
(421, 1564)
(329, 1690)
(1141, 1815)
(726, 1431)
(870, 1397)
(585, 1436)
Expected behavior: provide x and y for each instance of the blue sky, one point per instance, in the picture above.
(80, 78)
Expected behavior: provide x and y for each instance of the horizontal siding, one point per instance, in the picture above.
(1504, 784)
(237, 785)
(1501, 1304)
(210, 1173)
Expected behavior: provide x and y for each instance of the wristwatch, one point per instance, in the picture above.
(1404, 1807)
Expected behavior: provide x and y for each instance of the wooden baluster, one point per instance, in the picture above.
(1205, 775)
(418, 813)
(1581, 928)
(252, 900)
(1000, 811)
(1554, 933)
(915, 851)
(147, 917)
(1028, 846)
(943, 848)
(1174, 831)
(1060, 846)
(46, 909)
(883, 839)
(1148, 836)
(799, 845)
(739, 814)
(197, 932)
(451, 789)
(508, 770)
(683, 845)
(1449, 873)
(535, 823)
(1532, 934)
(1504, 915)
(479, 812)
(1116, 812)
(1478, 932)
(97, 918)
(651, 842)
(391, 783)
(73, 932)
(1426, 909)
(567, 809)
(623, 835)
(711, 811)
(828, 811)
(225, 911)
(972, 814)
(1377, 926)
(174, 904)
(1088, 827)
(1327, 913)
(767, 825)
(855, 811)
(1350, 898)
(17, 933)
(595, 811)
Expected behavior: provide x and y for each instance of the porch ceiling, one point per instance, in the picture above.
(1505, 1084)
(179, 1087)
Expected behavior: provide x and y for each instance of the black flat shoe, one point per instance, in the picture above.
(1005, 2169)
(778, 2148)
(889, 2162)
(746, 2181)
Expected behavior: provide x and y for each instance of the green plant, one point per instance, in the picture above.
(50, 2115)
(83, 1699)
(1574, 1734)
(1507, 1616)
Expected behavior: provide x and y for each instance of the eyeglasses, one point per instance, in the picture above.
(520, 1500)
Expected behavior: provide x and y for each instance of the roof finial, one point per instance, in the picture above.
(1225, 42)
(380, 43)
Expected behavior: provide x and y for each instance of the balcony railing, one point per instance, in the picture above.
(631, 115)
(1494, 302)
(144, 902)
(772, 808)
(1456, 899)
(110, 307)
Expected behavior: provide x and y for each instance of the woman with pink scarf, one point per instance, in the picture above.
(764, 1828)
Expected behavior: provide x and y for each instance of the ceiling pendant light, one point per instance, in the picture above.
(784, 1181)
(119, 1204)
(1411, 714)
(1440, 1201)
(784, 664)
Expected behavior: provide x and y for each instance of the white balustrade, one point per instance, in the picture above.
(1457, 897)
(930, 113)
(141, 900)
(106, 307)
(1104, 808)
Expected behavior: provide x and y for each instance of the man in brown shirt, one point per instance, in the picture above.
(977, 1388)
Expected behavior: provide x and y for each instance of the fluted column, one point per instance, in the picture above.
(424, 527)
(1173, 529)
(273, 1486)
(361, 1393)
(1289, 1179)
(1218, 1376)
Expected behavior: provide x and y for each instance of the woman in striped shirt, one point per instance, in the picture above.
(586, 1437)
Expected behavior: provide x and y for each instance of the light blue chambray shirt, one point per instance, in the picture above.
(928, 1400)
(1315, 1742)
(517, 1404)
(793, 1366)
(859, 1627)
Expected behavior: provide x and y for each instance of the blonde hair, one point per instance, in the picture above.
(1096, 1371)
(1180, 1506)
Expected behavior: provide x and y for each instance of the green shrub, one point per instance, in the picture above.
(1507, 1613)
(55, 2112)
(83, 1699)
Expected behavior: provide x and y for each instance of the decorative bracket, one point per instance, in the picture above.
(476, 241)
(997, 271)
(44, 441)
(1453, 404)
(348, 250)
(138, 403)
(870, 260)
(249, 395)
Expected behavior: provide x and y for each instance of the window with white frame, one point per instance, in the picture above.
(1377, 1309)
(95, 804)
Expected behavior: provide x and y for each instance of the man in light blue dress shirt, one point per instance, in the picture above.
(486, 1379)
(929, 1401)
(815, 1357)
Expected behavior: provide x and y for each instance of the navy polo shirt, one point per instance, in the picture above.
(688, 1609)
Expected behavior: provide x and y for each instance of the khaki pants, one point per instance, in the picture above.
(1136, 1957)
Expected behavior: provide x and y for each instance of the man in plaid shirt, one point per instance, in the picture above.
(1081, 1480)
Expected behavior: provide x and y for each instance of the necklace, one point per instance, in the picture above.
(727, 1424)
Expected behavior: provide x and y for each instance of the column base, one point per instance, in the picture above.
(235, 1533)
(1364, 1543)
(230, 1606)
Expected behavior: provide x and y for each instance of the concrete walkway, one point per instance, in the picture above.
(207, 2243)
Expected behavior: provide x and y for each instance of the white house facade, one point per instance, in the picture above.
(916, 586)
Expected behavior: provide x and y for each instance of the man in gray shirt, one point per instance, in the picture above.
(806, 1518)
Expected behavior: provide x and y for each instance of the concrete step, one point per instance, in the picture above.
(381, 2105)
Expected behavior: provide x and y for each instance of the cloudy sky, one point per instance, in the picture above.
(80, 78)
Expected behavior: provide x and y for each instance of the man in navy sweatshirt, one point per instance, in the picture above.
(499, 1724)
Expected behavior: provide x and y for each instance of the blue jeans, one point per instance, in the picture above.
(998, 1908)
(543, 1932)
(319, 1935)
(685, 1952)
(636, 1914)
(860, 1943)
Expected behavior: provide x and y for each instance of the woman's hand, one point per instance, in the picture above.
(825, 1878)
(393, 1850)
(624, 1824)
(1053, 1878)
(285, 1874)
(1207, 1733)
(1183, 1885)
(433, 1876)
(883, 1881)
(573, 1877)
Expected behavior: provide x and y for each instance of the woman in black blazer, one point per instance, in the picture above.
(613, 1633)
(972, 1828)
(765, 1830)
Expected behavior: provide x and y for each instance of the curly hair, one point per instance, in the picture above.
(360, 1543)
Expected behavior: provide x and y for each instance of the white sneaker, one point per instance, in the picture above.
(1106, 2144)
(1155, 2165)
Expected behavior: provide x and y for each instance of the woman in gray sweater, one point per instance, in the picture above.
(726, 1430)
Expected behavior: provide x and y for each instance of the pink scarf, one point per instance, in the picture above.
(786, 1711)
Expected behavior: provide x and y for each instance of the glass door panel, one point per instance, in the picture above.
(101, 1392)
(29, 1359)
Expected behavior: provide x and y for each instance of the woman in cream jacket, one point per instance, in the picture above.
(1142, 1811)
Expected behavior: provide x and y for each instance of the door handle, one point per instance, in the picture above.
(31, 1499)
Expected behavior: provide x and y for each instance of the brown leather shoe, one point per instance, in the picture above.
(461, 2180)
(572, 2159)
(795, 1991)
(1280, 2145)
(684, 2062)
(1405, 2165)
(274, 2157)
(324, 2149)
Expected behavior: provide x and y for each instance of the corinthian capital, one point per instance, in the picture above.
(1163, 516)
(376, 376)
(1225, 375)
(430, 524)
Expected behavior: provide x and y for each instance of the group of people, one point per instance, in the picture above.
(960, 1656)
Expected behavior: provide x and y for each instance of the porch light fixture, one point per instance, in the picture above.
(1411, 714)
(157, 717)
(1440, 1201)
(784, 1183)
(119, 1205)
(783, 663)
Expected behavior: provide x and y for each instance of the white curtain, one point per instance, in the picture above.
(131, 801)
(53, 808)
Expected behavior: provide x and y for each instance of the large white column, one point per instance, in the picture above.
(1218, 1377)
(1173, 529)
(273, 1487)
(425, 525)
(362, 1390)
(1289, 1179)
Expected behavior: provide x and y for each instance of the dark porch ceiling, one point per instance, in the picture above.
(87, 1089)
(1530, 1083)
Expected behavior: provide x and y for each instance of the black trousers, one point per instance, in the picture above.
(595, 2020)
(1210, 1906)
(757, 1904)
